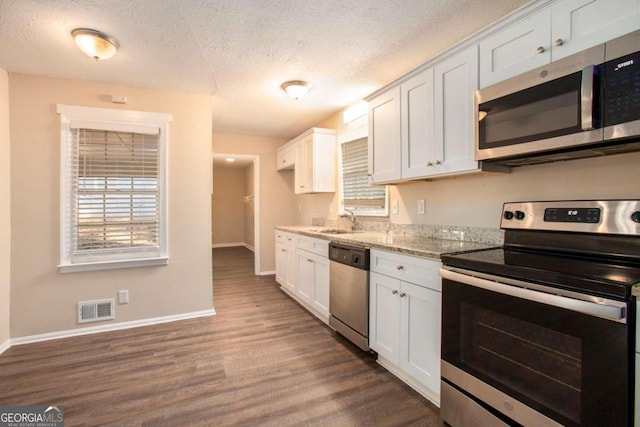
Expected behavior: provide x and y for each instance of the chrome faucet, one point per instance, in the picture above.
(351, 216)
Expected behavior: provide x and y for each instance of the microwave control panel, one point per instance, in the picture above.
(622, 90)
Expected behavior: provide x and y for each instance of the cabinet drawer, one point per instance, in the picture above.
(284, 237)
(311, 244)
(421, 271)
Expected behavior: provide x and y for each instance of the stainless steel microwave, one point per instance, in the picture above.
(585, 105)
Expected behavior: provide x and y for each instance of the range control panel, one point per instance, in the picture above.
(586, 216)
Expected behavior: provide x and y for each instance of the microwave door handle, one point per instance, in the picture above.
(586, 97)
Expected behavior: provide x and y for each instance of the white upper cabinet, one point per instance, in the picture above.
(580, 24)
(314, 161)
(562, 29)
(422, 128)
(516, 49)
(456, 78)
(286, 157)
(418, 144)
(384, 137)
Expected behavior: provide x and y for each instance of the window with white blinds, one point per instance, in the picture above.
(115, 177)
(113, 188)
(357, 194)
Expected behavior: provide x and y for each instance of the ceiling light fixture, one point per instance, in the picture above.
(230, 159)
(296, 88)
(95, 44)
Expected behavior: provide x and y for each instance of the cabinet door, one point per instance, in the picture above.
(420, 334)
(306, 276)
(518, 48)
(416, 112)
(456, 78)
(281, 263)
(384, 137)
(384, 316)
(581, 24)
(292, 272)
(285, 158)
(321, 285)
(303, 174)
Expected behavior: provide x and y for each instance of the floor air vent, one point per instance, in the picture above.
(95, 311)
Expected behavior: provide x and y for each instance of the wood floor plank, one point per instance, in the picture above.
(261, 360)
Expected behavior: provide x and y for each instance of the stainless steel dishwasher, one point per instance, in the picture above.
(349, 292)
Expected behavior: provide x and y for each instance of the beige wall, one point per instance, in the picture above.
(277, 201)
(227, 209)
(5, 210)
(476, 200)
(42, 299)
(249, 207)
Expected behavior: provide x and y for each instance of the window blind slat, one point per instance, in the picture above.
(116, 201)
(357, 192)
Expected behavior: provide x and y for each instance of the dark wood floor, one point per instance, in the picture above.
(262, 360)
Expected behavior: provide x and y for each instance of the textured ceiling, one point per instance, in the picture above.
(240, 51)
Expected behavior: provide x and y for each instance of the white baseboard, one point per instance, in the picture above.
(110, 327)
(226, 245)
(5, 346)
(267, 273)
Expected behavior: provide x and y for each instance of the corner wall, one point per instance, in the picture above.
(44, 300)
(5, 213)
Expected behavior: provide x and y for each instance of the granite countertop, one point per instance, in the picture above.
(418, 246)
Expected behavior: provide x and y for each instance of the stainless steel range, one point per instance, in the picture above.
(541, 332)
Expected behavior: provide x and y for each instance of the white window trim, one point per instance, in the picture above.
(114, 120)
(357, 129)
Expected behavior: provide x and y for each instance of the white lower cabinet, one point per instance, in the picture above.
(286, 260)
(302, 268)
(313, 281)
(404, 322)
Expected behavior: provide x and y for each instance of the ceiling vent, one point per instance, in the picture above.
(95, 311)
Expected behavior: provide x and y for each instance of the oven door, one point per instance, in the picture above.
(533, 357)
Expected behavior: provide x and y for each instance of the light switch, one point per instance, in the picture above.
(394, 207)
(421, 207)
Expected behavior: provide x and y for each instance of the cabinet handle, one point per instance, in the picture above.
(399, 267)
(438, 162)
(558, 42)
(309, 260)
(394, 292)
(402, 295)
(284, 161)
(540, 50)
(283, 250)
(429, 164)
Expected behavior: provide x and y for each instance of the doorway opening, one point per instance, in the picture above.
(235, 203)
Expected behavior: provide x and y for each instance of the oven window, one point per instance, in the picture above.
(572, 367)
(533, 360)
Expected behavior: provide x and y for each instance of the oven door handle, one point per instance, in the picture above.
(597, 307)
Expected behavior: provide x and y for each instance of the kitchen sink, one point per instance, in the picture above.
(336, 231)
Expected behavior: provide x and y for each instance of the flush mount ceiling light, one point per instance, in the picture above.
(230, 159)
(296, 88)
(95, 44)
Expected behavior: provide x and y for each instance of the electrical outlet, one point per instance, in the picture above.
(123, 297)
(299, 207)
(394, 207)
(421, 207)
